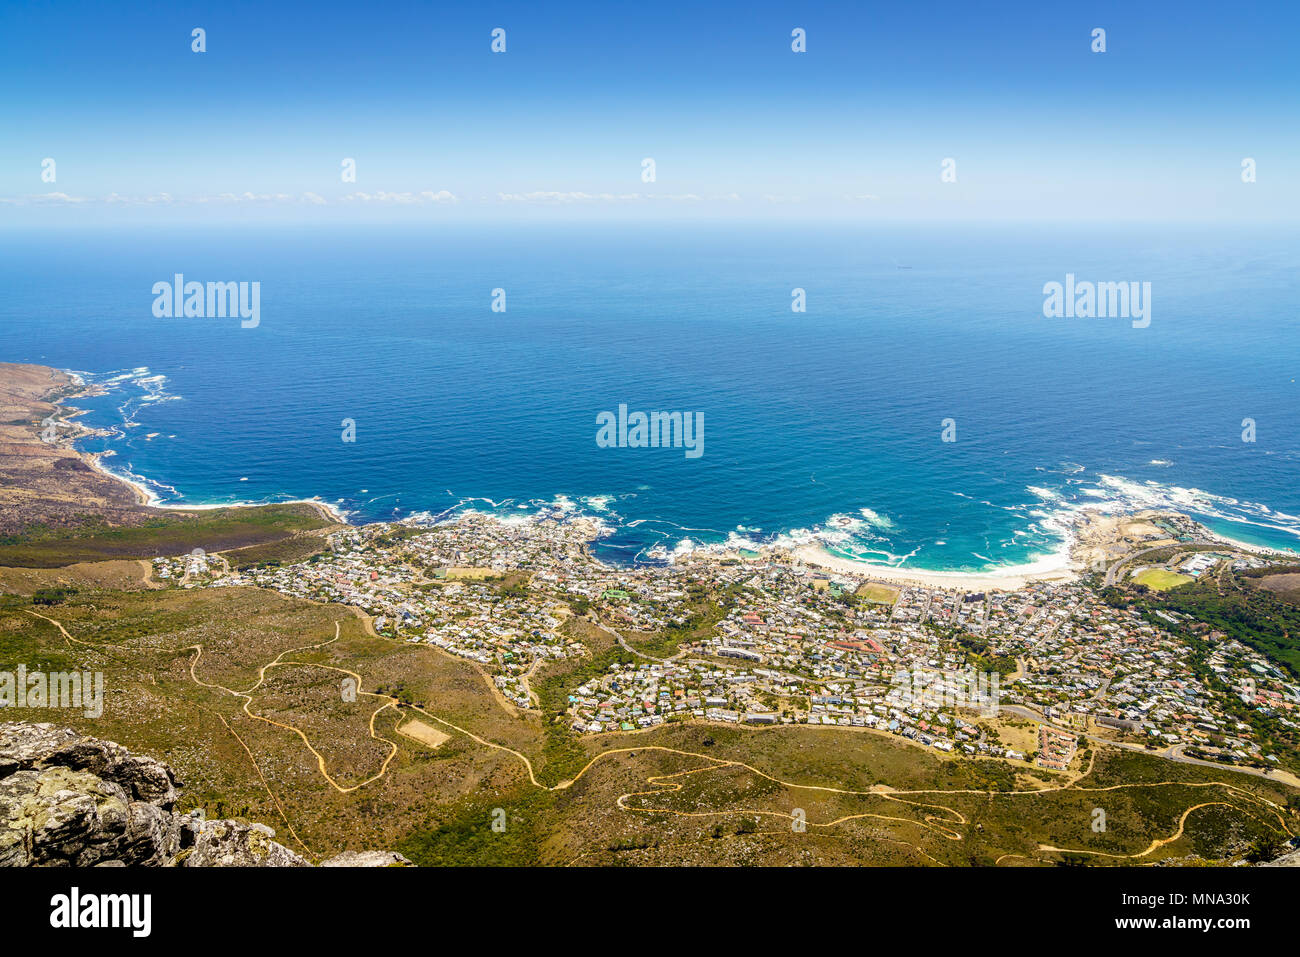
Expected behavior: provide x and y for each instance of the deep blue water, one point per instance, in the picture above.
(824, 423)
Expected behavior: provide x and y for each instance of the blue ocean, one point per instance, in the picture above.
(825, 425)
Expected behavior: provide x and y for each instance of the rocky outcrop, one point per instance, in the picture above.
(227, 844)
(1290, 859)
(66, 799)
(71, 800)
(367, 859)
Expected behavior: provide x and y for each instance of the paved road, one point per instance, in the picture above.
(1101, 692)
(1133, 556)
(640, 654)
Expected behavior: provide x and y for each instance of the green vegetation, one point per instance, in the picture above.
(1254, 616)
(979, 653)
(52, 596)
(563, 754)
(703, 612)
(877, 594)
(167, 533)
(1159, 579)
(287, 551)
(477, 834)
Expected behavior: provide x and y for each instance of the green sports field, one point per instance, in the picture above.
(1160, 579)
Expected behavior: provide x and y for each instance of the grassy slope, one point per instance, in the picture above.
(166, 533)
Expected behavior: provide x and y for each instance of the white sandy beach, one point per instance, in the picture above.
(1052, 568)
(1253, 549)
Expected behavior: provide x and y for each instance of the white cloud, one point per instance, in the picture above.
(155, 199)
(57, 199)
(247, 197)
(379, 197)
(560, 197)
(167, 199)
(402, 199)
(554, 196)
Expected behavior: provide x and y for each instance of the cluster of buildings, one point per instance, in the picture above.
(1055, 748)
(1090, 665)
(784, 643)
(643, 695)
(183, 568)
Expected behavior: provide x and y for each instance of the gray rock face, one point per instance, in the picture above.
(24, 746)
(227, 844)
(367, 859)
(1291, 859)
(70, 800)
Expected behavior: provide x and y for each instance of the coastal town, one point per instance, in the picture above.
(1036, 673)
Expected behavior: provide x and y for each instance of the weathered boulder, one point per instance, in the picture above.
(228, 844)
(70, 800)
(30, 745)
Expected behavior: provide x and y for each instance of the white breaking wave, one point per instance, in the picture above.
(875, 519)
(1114, 493)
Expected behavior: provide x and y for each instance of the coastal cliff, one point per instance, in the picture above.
(71, 800)
(44, 482)
(59, 505)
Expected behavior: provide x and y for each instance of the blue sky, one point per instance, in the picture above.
(142, 128)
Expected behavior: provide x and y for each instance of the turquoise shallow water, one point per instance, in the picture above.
(823, 425)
